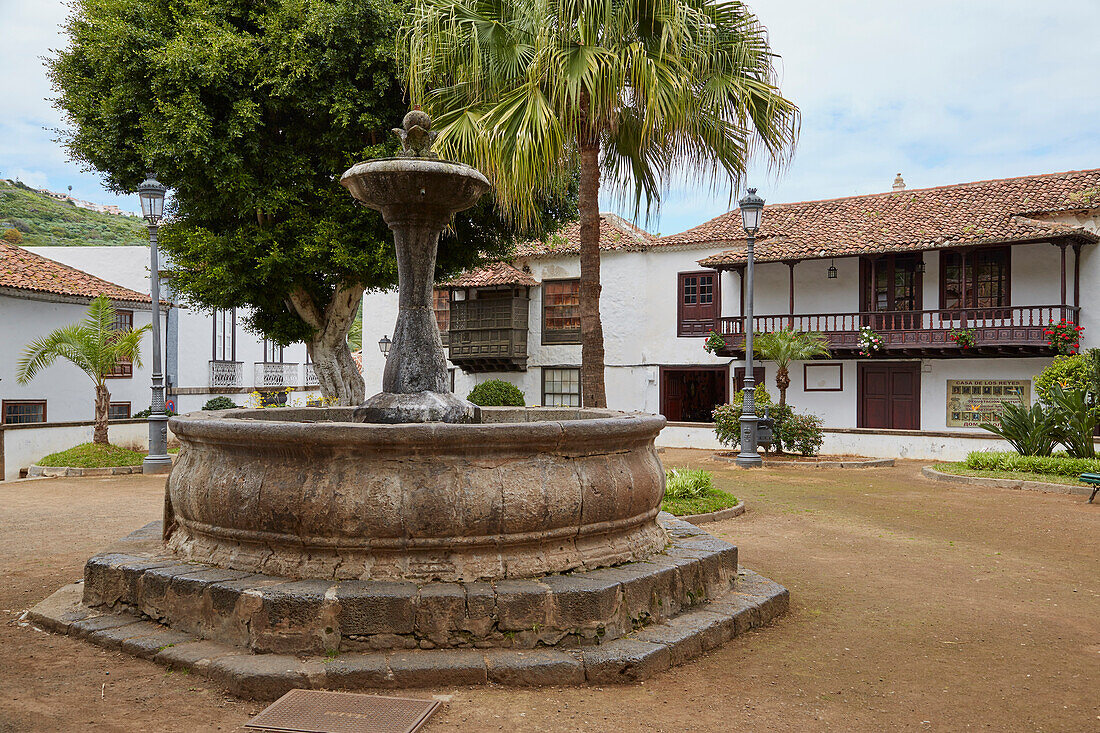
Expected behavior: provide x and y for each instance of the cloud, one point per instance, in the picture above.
(34, 179)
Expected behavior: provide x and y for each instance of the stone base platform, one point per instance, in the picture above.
(261, 636)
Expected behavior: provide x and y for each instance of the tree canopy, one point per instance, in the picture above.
(250, 112)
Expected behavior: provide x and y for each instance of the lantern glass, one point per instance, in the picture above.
(151, 192)
(384, 344)
(752, 211)
(832, 270)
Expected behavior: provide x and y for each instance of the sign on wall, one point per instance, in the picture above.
(970, 402)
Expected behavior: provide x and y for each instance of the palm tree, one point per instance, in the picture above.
(95, 346)
(530, 90)
(785, 346)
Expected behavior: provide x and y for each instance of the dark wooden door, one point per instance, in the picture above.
(672, 404)
(690, 394)
(889, 396)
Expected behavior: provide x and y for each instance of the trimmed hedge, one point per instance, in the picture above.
(1059, 464)
(496, 393)
(219, 403)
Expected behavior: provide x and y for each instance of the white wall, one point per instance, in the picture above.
(129, 266)
(25, 445)
(68, 391)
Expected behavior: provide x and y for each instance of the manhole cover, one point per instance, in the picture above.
(313, 711)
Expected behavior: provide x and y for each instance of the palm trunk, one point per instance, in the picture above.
(102, 409)
(782, 381)
(339, 378)
(588, 203)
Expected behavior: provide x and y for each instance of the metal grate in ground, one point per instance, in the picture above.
(314, 711)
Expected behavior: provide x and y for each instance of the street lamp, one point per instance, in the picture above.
(151, 194)
(384, 346)
(752, 211)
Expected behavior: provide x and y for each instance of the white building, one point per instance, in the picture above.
(206, 354)
(39, 295)
(1026, 246)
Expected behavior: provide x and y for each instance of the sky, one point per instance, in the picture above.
(942, 92)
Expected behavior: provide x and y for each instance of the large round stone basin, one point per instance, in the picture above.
(409, 185)
(304, 492)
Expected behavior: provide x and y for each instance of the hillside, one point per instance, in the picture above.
(45, 221)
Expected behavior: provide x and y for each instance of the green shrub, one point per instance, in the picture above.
(727, 418)
(94, 455)
(1071, 372)
(1032, 432)
(13, 236)
(1058, 464)
(219, 403)
(496, 393)
(686, 483)
(801, 433)
(149, 411)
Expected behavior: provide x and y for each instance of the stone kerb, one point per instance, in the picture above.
(268, 614)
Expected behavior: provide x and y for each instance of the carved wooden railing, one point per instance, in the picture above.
(1006, 326)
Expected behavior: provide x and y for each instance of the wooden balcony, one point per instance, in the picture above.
(1008, 331)
(489, 333)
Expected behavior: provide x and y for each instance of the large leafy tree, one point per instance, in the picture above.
(783, 347)
(250, 111)
(95, 346)
(525, 90)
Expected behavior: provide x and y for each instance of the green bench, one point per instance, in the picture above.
(1094, 480)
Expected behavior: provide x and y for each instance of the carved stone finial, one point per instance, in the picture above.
(416, 135)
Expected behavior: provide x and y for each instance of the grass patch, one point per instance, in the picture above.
(93, 455)
(710, 501)
(961, 469)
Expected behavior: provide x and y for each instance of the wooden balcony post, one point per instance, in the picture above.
(1076, 275)
(962, 293)
(790, 293)
(1062, 247)
(741, 306)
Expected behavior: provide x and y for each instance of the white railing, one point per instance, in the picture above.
(225, 374)
(276, 374)
(310, 377)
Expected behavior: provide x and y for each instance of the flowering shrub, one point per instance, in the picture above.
(802, 433)
(963, 337)
(869, 341)
(714, 342)
(1064, 337)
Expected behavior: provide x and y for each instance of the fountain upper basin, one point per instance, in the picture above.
(305, 492)
(411, 184)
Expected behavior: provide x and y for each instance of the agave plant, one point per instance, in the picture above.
(1032, 432)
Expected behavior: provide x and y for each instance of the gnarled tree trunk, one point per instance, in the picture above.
(102, 410)
(337, 374)
(593, 393)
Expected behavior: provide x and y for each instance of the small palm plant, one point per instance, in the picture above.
(785, 346)
(96, 346)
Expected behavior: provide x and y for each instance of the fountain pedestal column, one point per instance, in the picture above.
(417, 195)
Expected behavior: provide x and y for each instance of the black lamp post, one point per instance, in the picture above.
(752, 211)
(151, 194)
(384, 344)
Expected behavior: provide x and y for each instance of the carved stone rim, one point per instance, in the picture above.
(288, 425)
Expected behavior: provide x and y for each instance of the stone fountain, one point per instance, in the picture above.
(415, 539)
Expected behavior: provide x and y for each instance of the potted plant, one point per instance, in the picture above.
(869, 341)
(964, 338)
(1064, 337)
(714, 342)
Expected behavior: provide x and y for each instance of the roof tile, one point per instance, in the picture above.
(25, 270)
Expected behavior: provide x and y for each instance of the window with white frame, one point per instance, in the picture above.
(273, 353)
(225, 335)
(561, 387)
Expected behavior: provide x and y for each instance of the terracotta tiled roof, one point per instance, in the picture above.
(982, 212)
(25, 270)
(497, 273)
(616, 233)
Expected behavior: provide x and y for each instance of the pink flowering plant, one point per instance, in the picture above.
(869, 341)
(1064, 337)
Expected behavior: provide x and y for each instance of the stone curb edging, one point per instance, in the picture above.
(636, 656)
(865, 463)
(59, 471)
(1005, 483)
(715, 516)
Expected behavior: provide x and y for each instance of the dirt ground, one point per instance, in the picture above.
(914, 606)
